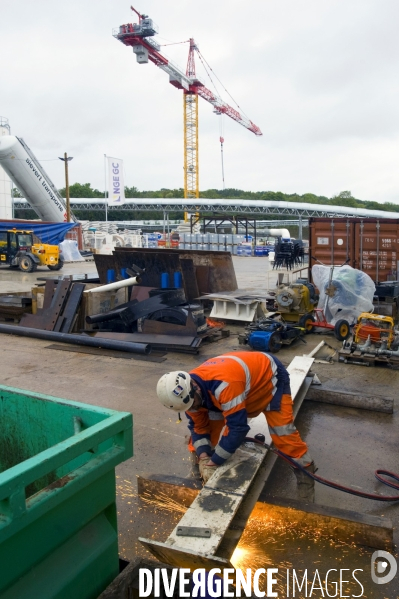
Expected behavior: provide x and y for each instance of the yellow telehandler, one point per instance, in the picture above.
(18, 250)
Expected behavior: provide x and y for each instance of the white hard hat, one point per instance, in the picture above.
(174, 391)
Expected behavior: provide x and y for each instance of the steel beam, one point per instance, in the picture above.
(220, 207)
(339, 524)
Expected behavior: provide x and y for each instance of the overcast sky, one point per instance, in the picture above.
(319, 77)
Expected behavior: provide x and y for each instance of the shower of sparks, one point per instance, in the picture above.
(265, 537)
(250, 553)
(162, 501)
(125, 488)
(273, 540)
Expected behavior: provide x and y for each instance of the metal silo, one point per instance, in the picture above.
(6, 211)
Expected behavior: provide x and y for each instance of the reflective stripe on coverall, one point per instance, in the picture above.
(235, 387)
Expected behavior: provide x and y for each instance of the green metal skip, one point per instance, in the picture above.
(58, 524)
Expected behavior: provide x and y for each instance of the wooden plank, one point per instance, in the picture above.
(222, 496)
(338, 397)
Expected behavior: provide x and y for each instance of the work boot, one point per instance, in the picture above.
(305, 483)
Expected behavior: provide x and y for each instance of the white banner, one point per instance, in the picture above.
(116, 186)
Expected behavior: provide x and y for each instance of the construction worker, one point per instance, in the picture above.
(219, 396)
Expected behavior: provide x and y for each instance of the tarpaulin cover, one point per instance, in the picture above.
(69, 251)
(344, 293)
(52, 233)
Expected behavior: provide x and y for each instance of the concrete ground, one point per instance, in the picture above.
(347, 444)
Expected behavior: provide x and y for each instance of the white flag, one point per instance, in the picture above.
(116, 187)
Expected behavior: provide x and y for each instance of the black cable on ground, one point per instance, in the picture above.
(378, 474)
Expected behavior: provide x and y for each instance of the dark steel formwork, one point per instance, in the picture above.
(202, 271)
(370, 245)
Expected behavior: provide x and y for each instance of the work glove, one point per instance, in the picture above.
(205, 470)
(305, 483)
(194, 467)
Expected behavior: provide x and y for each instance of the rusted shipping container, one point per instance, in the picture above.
(77, 235)
(371, 245)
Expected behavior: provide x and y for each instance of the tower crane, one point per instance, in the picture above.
(140, 37)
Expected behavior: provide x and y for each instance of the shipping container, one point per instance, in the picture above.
(370, 245)
(77, 235)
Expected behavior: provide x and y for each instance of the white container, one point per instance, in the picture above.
(237, 239)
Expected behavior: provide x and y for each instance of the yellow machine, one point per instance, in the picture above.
(379, 328)
(374, 341)
(17, 250)
(296, 303)
(49, 255)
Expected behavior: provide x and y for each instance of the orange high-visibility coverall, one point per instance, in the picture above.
(237, 386)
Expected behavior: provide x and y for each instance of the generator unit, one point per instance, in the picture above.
(296, 303)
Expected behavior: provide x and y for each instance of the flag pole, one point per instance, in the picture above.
(105, 188)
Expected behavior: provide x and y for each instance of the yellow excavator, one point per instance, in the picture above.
(18, 250)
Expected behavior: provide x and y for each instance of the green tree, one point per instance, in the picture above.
(344, 198)
(132, 192)
(79, 190)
